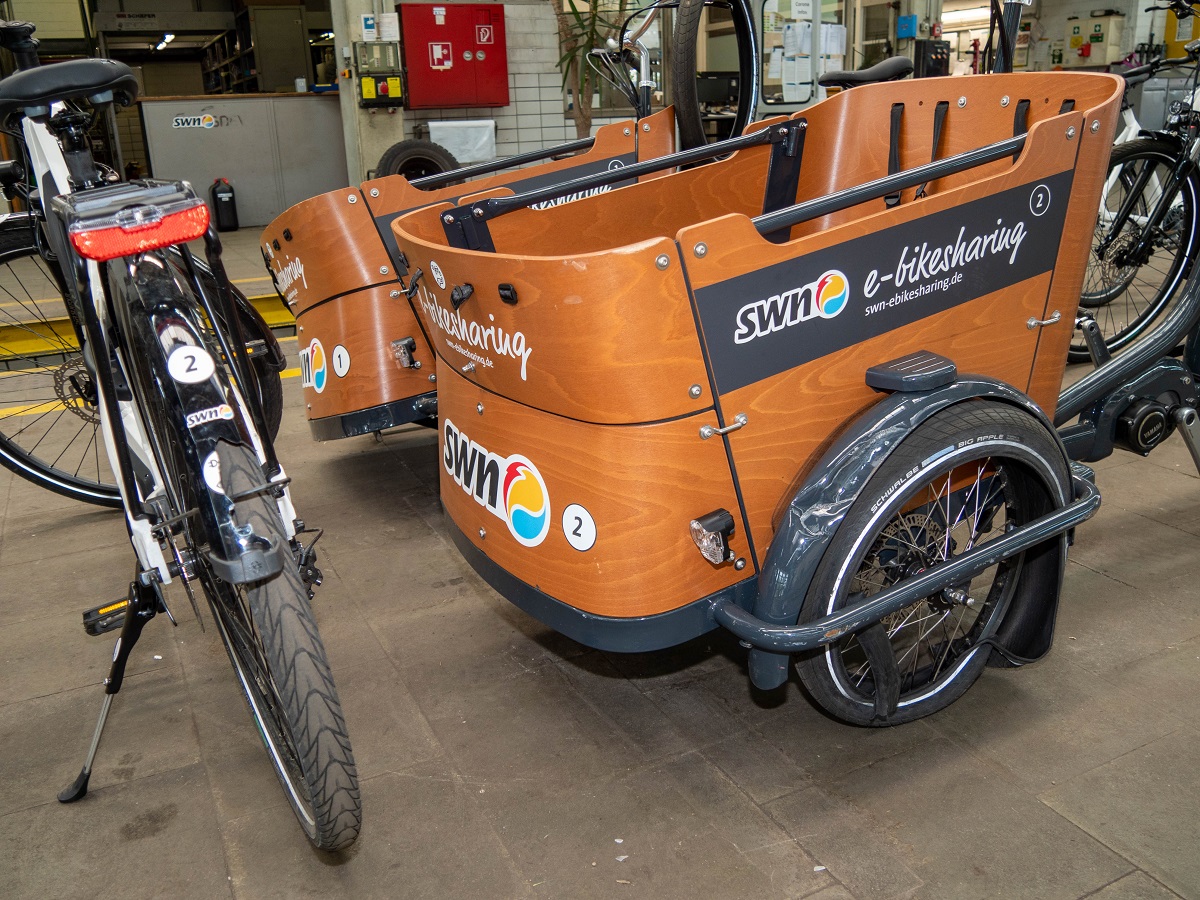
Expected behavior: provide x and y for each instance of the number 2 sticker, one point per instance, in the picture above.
(190, 365)
(579, 527)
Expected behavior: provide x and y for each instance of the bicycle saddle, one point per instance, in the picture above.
(69, 80)
(892, 69)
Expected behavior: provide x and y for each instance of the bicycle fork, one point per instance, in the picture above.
(1140, 250)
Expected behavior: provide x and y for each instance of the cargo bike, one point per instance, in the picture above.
(664, 410)
(738, 395)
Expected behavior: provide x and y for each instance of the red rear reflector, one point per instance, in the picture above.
(140, 236)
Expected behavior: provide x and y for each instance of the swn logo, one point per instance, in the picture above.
(224, 411)
(313, 369)
(825, 297)
(205, 121)
(509, 487)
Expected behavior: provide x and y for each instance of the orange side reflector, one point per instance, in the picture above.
(141, 234)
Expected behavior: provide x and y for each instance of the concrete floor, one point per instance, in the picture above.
(500, 760)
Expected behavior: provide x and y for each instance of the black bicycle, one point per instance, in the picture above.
(133, 374)
(1146, 237)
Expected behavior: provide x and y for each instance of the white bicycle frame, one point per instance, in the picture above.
(51, 171)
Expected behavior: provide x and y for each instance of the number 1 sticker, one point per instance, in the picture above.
(190, 365)
(579, 527)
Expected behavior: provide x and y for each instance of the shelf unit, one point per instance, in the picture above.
(264, 52)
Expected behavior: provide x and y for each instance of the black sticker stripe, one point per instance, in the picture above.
(768, 321)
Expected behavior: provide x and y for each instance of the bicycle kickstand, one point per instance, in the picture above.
(143, 604)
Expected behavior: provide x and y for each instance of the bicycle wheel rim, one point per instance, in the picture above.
(1127, 301)
(49, 421)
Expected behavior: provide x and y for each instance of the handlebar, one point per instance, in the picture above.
(17, 38)
(1181, 8)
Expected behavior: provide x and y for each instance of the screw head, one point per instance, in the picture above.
(962, 101)
(448, 219)
(1071, 133)
(383, 270)
(695, 391)
(627, 132)
(479, 408)
(740, 563)
(1095, 125)
(662, 261)
(477, 213)
(646, 126)
(1004, 101)
(482, 534)
(433, 378)
(394, 294)
(701, 250)
(352, 199)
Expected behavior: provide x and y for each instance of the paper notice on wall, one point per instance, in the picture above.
(802, 9)
(775, 66)
(389, 26)
(1183, 30)
(791, 40)
(796, 75)
(833, 40)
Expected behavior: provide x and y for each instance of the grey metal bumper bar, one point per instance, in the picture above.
(794, 638)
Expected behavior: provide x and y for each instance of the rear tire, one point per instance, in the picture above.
(960, 480)
(415, 159)
(272, 640)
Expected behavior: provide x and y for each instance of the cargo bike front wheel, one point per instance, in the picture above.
(967, 476)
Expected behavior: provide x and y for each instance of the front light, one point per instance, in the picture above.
(711, 533)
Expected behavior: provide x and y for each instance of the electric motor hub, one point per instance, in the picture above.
(1143, 426)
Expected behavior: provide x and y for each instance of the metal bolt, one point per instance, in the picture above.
(1095, 125)
(701, 250)
(469, 368)
(1071, 133)
(962, 101)
(626, 132)
(695, 391)
(375, 191)
(479, 408)
(662, 261)
(299, 327)
(433, 378)
(477, 213)
(416, 364)
(646, 126)
(1004, 100)
(383, 270)
(1187, 380)
(309, 405)
(482, 534)
(394, 294)
(740, 564)
(352, 198)
(783, 130)
(448, 219)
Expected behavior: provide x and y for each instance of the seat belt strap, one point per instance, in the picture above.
(894, 152)
(939, 119)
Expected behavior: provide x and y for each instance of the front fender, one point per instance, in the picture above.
(815, 512)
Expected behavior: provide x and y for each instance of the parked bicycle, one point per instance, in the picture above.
(146, 381)
(1146, 237)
